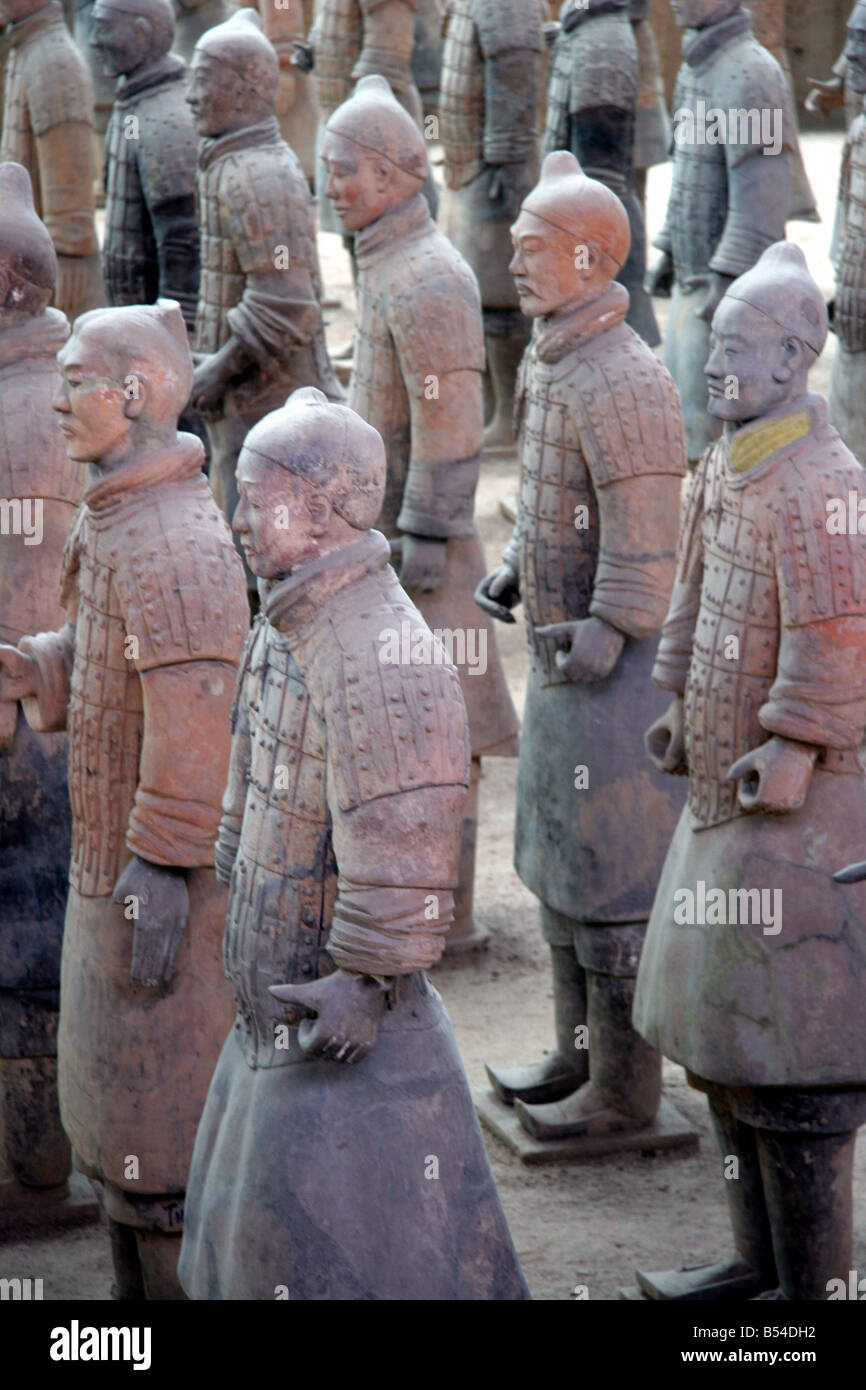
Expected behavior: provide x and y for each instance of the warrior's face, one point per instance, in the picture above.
(359, 184)
(278, 517)
(217, 95)
(92, 402)
(855, 50)
(754, 366)
(123, 41)
(694, 14)
(550, 270)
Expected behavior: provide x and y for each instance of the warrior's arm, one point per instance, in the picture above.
(175, 229)
(234, 797)
(53, 654)
(637, 547)
(389, 37)
(759, 201)
(674, 653)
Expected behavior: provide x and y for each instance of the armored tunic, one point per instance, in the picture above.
(151, 245)
(729, 201)
(847, 400)
(48, 127)
(419, 321)
(35, 473)
(157, 617)
(602, 460)
(335, 863)
(487, 111)
(592, 104)
(766, 635)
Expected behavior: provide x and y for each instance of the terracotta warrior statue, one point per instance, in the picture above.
(848, 371)
(487, 109)
(48, 127)
(753, 967)
(592, 561)
(338, 1156)
(41, 489)
(731, 191)
(592, 109)
(296, 106)
(151, 245)
(259, 329)
(141, 676)
(417, 378)
(353, 39)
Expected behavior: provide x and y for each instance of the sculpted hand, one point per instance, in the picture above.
(665, 740)
(339, 1016)
(593, 651)
(19, 674)
(423, 565)
(716, 291)
(775, 777)
(161, 901)
(499, 592)
(208, 386)
(508, 185)
(661, 278)
(70, 289)
(825, 95)
(303, 55)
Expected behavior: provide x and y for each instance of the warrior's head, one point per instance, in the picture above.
(233, 76)
(374, 155)
(855, 49)
(697, 14)
(570, 241)
(767, 331)
(311, 476)
(126, 374)
(129, 34)
(28, 265)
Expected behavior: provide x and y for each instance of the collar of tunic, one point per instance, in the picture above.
(293, 604)
(560, 333)
(42, 336)
(700, 44)
(581, 11)
(752, 451)
(104, 495)
(212, 148)
(168, 68)
(404, 220)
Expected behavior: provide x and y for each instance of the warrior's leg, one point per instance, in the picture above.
(752, 1269)
(463, 935)
(158, 1253)
(564, 1070)
(624, 1086)
(808, 1185)
(506, 334)
(128, 1283)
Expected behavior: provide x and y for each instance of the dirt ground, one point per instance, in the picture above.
(583, 1226)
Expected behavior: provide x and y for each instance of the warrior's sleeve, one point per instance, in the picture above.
(389, 37)
(271, 220)
(234, 797)
(438, 335)
(168, 176)
(632, 439)
(54, 652)
(511, 37)
(674, 653)
(60, 105)
(185, 623)
(759, 179)
(398, 770)
(819, 694)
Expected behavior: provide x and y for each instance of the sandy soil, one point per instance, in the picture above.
(583, 1226)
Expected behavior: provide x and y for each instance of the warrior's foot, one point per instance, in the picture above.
(730, 1279)
(548, 1080)
(585, 1111)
